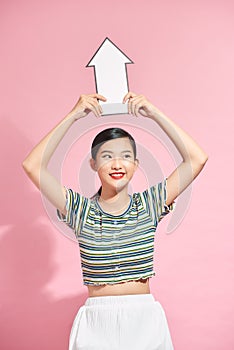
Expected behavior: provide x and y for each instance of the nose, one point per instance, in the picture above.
(116, 163)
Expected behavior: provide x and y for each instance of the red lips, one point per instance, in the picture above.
(117, 175)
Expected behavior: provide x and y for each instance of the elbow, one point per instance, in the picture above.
(27, 166)
(199, 159)
(31, 168)
(198, 165)
(204, 159)
(33, 172)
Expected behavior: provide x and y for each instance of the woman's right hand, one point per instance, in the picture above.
(87, 104)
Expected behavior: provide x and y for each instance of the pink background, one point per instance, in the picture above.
(183, 54)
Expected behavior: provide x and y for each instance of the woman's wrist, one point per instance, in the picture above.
(154, 113)
(73, 116)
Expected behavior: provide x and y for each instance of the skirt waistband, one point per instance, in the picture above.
(120, 299)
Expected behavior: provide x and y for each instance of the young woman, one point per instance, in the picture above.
(116, 231)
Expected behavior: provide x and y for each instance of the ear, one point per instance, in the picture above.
(136, 161)
(93, 164)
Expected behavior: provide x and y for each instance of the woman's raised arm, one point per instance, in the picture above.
(194, 157)
(35, 164)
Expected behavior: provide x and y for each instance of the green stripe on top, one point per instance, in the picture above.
(116, 248)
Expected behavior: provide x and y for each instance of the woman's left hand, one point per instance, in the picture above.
(139, 105)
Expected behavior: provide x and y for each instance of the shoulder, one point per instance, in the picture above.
(157, 187)
(75, 198)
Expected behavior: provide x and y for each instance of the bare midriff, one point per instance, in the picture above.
(140, 286)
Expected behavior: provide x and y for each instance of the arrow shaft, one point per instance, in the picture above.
(111, 82)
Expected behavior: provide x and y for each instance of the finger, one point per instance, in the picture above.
(98, 97)
(136, 98)
(133, 102)
(96, 106)
(90, 108)
(90, 105)
(136, 110)
(128, 104)
(140, 102)
(131, 106)
(128, 95)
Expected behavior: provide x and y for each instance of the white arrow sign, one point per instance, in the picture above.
(111, 78)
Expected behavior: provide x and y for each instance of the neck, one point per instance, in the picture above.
(112, 195)
(114, 202)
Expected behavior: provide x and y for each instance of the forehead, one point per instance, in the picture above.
(119, 144)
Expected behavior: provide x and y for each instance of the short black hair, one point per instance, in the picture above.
(110, 134)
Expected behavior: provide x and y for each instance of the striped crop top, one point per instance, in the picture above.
(116, 248)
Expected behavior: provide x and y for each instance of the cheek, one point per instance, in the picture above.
(103, 167)
(130, 165)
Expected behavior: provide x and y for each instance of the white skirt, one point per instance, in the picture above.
(121, 322)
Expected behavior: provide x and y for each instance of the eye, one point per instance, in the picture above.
(127, 156)
(106, 156)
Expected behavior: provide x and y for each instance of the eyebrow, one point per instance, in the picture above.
(108, 151)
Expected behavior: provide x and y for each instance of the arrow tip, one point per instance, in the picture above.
(108, 44)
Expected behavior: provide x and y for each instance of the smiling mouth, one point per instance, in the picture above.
(117, 176)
